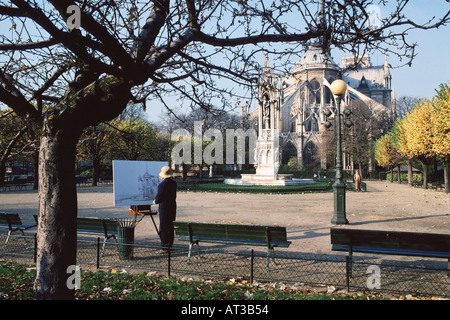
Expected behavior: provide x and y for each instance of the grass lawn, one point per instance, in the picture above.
(16, 283)
(318, 186)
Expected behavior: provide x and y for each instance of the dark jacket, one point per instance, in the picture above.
(166, 198)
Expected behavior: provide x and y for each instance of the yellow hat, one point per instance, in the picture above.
(165, 172)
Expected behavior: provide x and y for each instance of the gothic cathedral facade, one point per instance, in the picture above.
(295, 105)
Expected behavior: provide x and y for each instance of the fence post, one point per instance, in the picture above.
(347, 273)
(35, 248)
(251, 267)
(98, 252)
(168, 262)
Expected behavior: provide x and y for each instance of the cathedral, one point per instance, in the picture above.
(295, 105)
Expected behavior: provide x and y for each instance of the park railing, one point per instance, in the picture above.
(420, 277)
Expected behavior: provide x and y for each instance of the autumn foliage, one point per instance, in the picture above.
(422, 134)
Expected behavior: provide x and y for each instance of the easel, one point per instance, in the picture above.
(143, 210)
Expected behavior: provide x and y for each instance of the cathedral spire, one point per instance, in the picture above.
(321, 25)
(267, 71)
(266, 65)
(321, 15)
(387, 73)
(393, 105)
(386, 65)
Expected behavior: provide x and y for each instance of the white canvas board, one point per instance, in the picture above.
(136, 182)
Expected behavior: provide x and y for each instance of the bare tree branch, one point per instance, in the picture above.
(12, 97)
(28, 46)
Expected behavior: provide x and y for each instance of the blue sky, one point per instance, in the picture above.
(431, 66)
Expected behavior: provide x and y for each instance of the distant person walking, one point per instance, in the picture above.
(166, 199)
(357, 178)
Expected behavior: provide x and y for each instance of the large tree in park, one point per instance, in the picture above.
(441, 129)
(386, 154)
(399, 141)
(383, 151)
(87, 59)
(420, 136)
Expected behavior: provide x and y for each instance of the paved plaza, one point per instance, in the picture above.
(385, 206)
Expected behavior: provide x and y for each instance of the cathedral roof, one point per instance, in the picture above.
(315, 57)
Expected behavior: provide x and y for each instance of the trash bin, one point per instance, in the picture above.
(125, 239)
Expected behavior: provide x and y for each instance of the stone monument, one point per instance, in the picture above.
(267, 155)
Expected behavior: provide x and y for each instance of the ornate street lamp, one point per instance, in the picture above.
(338, 88)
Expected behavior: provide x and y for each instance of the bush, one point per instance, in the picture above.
(319, 186)
(417, 177)
(87, 173)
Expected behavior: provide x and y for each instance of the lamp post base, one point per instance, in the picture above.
(339, 216)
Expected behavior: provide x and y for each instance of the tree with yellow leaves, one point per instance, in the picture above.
(441, 129)
(387, 155)
(423, 134)
(419, 132)
(399, 143)
(383, 152)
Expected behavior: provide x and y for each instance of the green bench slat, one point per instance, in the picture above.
(256, 234)
(13, 221)
(237, 241)
(107, 227)
(224, 241)
(418, 242)
(391, 242)
(401, 252)
(10, 219)
(97, 225)
(268, 236)
(229, 231)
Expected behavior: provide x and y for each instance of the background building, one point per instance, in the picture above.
(299, 101)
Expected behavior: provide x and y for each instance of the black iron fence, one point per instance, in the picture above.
(427, 278)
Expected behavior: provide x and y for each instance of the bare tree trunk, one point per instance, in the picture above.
(410, 173)
(57, 233)
(446, 166)
(36, 170)
(399, 178)
(95, 170)
(56, 236)
(425, 174)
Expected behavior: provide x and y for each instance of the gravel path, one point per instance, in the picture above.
(385, 206)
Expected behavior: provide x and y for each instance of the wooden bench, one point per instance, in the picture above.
(431, 245)
(254, 235)
(13, 222)
(106, 227)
